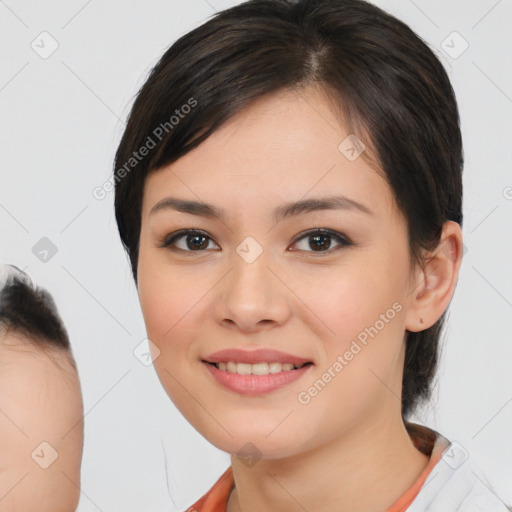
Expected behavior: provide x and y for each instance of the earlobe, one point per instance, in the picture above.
(435, 281)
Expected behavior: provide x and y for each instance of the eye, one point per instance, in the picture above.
(190, 240)
(320, 240)
(193, 240)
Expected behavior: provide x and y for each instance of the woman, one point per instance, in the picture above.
(289, 192)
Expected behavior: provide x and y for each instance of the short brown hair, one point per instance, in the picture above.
(30, 310)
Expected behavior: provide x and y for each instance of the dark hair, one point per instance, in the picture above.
(389, 88)
(30, 310)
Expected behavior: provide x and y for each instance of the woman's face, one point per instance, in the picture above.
(252, 280)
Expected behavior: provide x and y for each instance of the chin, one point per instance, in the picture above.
(255, 444)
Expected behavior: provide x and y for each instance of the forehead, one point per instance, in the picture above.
(285, 146)
(19, 352)
(36, 382)
(40, 398)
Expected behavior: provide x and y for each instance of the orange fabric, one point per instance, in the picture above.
(428, 443)
(216, 499)
(425, 440)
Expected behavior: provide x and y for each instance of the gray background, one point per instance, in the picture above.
(62, 116)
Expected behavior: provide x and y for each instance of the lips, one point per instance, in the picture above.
(254, 356)
(259, 382)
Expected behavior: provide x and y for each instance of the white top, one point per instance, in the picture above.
(456, 484)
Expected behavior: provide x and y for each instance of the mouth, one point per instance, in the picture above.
(255, 372)
(260, 368)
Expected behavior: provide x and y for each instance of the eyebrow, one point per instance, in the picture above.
(281, 212)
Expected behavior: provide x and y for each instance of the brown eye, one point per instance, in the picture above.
(320, 240)
(188, 241)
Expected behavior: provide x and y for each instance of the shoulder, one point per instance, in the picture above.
(457, 483)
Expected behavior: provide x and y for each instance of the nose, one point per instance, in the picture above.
(252, 296)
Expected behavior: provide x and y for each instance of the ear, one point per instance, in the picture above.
(434, 283)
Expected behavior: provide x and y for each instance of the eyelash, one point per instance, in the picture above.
(339, 237)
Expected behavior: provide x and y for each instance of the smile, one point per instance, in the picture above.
(257, 368)
(255, 372)
(243, 381)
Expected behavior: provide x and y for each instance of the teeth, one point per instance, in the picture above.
(256, 369)
(275, 367)
(244, 368)
(259, 369)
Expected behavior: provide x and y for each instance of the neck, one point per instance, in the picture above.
(366, 469)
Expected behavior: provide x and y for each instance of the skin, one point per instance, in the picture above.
(350, 437)
(40, 401)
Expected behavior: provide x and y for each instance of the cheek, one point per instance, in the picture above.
(363, 307)
(360, 363)
(171, 300)
(350, 300)
(158, 296)
(158, 307)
